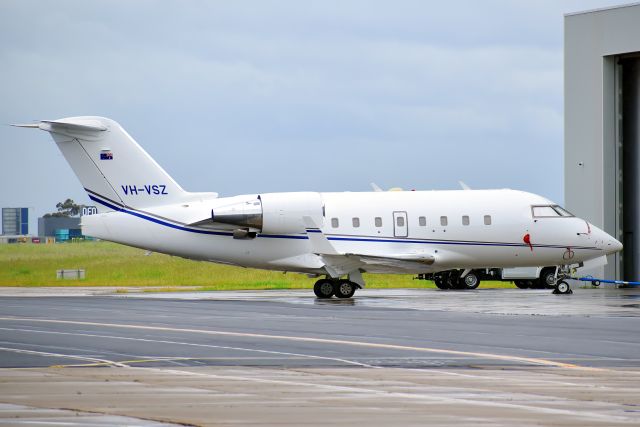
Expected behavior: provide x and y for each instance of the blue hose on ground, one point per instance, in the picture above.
(597, 282)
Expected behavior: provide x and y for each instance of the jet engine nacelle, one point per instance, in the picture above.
(273, 213)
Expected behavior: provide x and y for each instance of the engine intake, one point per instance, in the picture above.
(245, 214)
(273, 213)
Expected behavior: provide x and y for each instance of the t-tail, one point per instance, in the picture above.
(114, 170)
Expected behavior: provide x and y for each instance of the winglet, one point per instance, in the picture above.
(375, 187)
(464, 186)
(319, 242)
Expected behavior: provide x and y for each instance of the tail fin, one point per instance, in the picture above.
(111, 166)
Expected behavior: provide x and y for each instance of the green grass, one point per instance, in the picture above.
(110, 264)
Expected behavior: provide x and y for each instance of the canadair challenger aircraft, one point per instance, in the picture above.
(450, 236)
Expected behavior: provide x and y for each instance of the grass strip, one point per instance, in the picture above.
(111, 264)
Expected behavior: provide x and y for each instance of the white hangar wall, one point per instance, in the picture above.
(602, 127)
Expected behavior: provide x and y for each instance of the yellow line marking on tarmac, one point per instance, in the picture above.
(166, 359)
(64, 356)
(507, 358)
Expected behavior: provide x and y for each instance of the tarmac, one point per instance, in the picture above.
(386, 357)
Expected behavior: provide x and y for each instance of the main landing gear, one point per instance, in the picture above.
(453, 280)
(547, 280)
(341, 288)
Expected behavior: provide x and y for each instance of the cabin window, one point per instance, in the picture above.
(355, 222)
(443, 220)
(487, 220)
(335, 223)
(378, 221)
(465, 219)
(422, 221)
(400, 221)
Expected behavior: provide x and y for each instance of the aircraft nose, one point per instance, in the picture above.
(613, 245)
(605, 241)
(610, 244)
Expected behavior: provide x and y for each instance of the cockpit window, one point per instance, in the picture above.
(550, 211)
(544, 211)
(562, 211)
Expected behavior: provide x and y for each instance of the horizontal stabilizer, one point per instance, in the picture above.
(84, 125)
(26, 125)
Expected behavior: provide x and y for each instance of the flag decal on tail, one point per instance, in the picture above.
(106, 155)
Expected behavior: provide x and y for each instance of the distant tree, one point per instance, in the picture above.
(66, 209)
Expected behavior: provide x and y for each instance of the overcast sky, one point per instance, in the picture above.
(260, 96)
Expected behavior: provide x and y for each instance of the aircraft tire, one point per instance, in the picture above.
(452, 280)
(547, 278)
(470, 281)
(535, 284)
(323, 288)
(344, 289)
(562, 288)
(521, 284)
(440, 283)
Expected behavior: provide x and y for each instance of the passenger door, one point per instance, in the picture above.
(400, 226)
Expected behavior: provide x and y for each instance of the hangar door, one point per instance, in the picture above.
(628, 133)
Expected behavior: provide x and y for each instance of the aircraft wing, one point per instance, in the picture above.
(340, 264)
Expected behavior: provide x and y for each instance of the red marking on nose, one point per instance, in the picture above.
(527, 240)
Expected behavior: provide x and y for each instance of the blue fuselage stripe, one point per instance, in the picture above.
(157, 221)
(333, 238)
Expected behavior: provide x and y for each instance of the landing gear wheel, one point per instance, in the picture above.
(470, 281)
(323, 288)
(548, 278)
(562, 287)
(440, 283)
(344, 289)
(452, 280)
(521, 284)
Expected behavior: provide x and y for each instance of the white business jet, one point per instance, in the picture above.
(450, 236)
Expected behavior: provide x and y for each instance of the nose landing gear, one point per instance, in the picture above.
(562, 288)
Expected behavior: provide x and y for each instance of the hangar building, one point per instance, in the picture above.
(602, 127)
(15, 221)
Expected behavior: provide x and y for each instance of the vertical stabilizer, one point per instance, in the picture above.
(110, 164)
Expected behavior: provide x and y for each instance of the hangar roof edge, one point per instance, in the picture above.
(602, 9)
